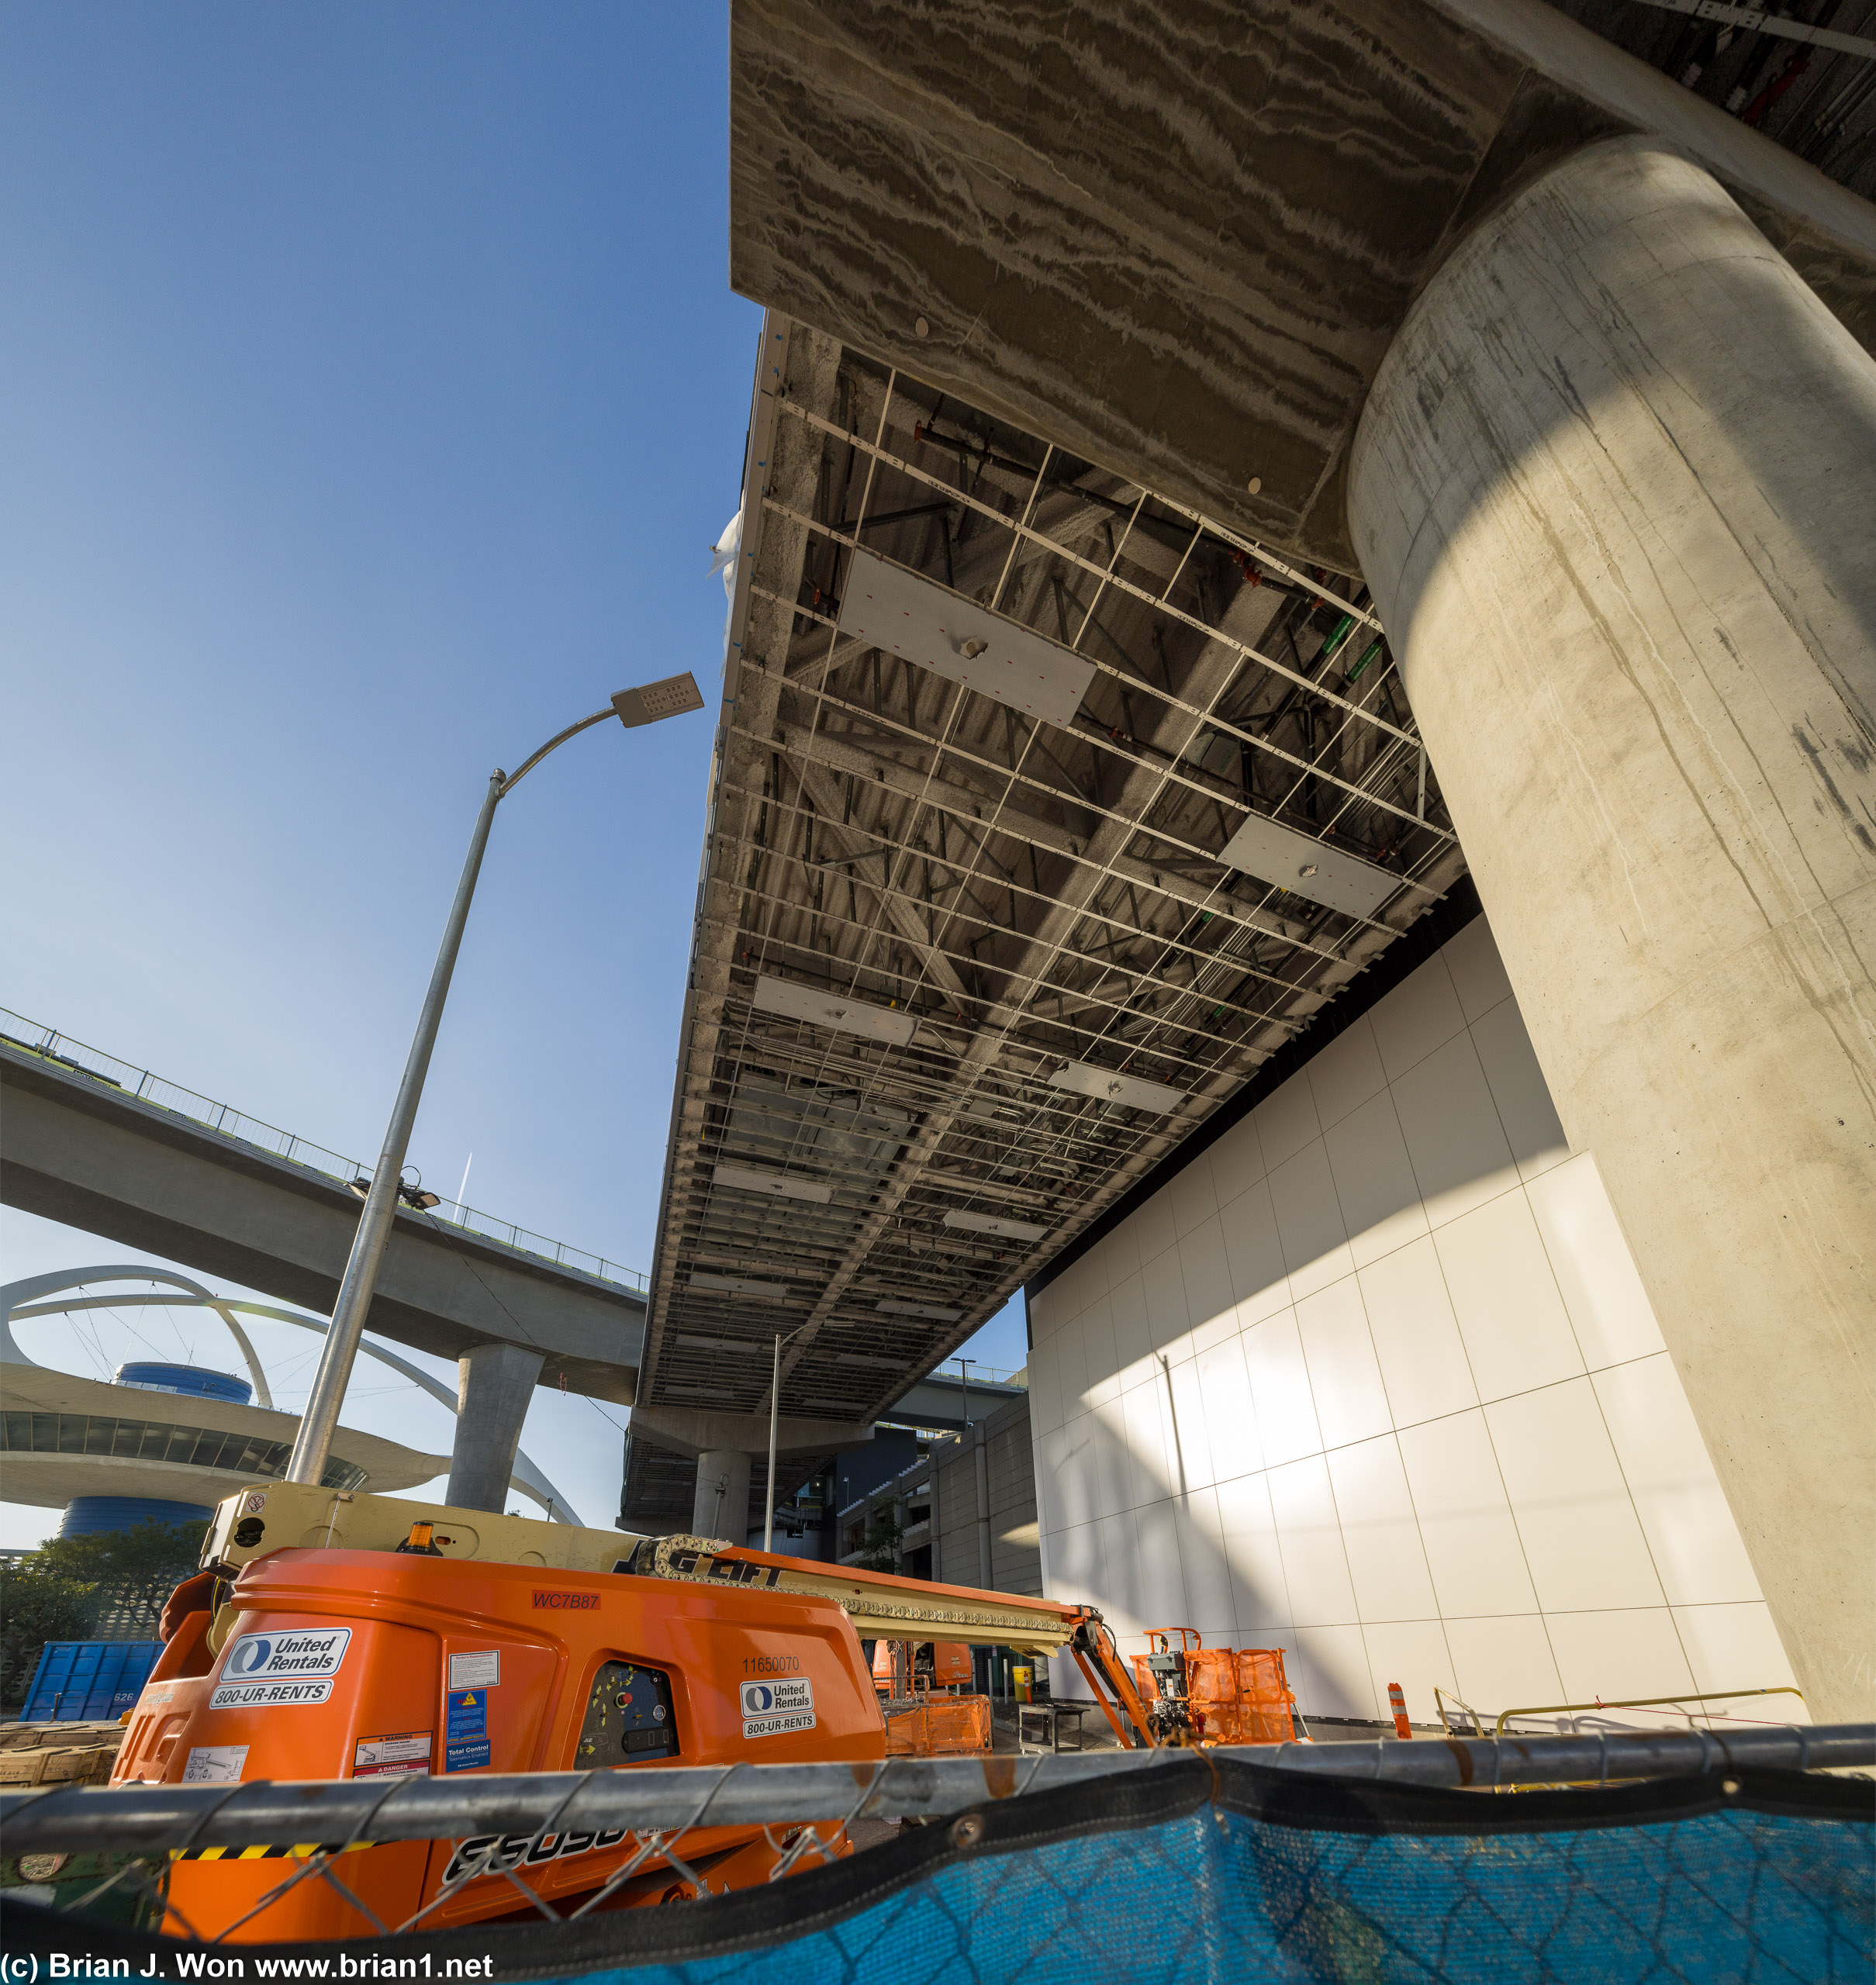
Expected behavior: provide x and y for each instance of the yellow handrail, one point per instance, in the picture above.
(1639, 1702)
(1441, 1698)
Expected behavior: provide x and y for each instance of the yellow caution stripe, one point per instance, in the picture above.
(302, 1852)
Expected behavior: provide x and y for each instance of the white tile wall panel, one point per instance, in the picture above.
(1207, 1596)
(1608, 1308)
(1460, 1153)
(1582, 1537)
(1309, 1221)
(1075, 1499)
(1117, 1574)
(1254, 1254)
(1696, 1550)
(1526, 1113)
(1237, 1161)
(1420, 1016)
(1346, 1073)
(1222, 1350)
(1472, 1545)
(1121, 1248)
(1380, 1536)
(1154, 1231)
(1608, 1655)
(1225, 1328)
(1416, 1336)
(1345, 1381)
(1254, 1557)
(1510, 1315)
(1190, 1197)
(1477, 971)
(1147, 1440)
(1737, 1647)
(1334, 1665)
(1132, 1339)
(1045, 1311)
(1231, 1420)
(1285, 1122)
(1374, 1180)
(1309, 1529)
(1167, 1319)
(1414, 1653)
(1113, 1472)
(1071, 1350)
(1500, 1662)
(1164, 1601)
(1045, 1393)
(1099, 1360)
(1279, 1389)
(1206, 1272)
(1189, 1433)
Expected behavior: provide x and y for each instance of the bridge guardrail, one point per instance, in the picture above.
(29, 1036)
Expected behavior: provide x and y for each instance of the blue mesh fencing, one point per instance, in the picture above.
(1213, 1870)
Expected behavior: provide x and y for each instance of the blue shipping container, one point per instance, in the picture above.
(88, 1681)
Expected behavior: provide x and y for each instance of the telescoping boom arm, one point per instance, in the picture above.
(885, 1607)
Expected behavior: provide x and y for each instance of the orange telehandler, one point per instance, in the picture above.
(334, 1636)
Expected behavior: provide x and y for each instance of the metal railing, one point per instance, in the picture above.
(1641, 1702)
(28, 1036)
(137, 1819)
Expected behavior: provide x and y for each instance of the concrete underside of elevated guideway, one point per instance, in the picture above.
(89, 1156)
(1179, 239)
(1574, 369)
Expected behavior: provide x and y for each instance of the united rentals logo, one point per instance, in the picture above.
(274, 1671)
(568, 1602)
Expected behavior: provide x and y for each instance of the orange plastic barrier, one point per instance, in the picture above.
(940, 1727)
(1242, 1694)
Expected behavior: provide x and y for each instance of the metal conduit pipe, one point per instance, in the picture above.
(155, 1818)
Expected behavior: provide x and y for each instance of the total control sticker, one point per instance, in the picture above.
(770, 1708)
(406, 1754)
(274, 1671)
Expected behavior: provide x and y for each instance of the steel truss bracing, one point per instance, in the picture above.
(988, 897)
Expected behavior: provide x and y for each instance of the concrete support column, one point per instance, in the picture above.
(1615, 488)
(722, 1507)
(494, 1384)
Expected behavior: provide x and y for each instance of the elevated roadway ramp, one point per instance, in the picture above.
(81, 1148)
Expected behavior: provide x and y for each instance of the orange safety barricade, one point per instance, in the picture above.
(1242, 1693)
(939, 1727)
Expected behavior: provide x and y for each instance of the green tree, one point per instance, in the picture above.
(37, 1605)
(110, 1585)
(879, 1552)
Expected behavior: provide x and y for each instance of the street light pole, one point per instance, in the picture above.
(312, 1444)
(774, 1406)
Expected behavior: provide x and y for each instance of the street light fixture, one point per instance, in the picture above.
(673, 696)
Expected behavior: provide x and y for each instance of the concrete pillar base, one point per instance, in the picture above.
(494, 1384)
(722, 1507)
(1613, 488)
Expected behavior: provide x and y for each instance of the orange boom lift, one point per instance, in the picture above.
(330, 1636)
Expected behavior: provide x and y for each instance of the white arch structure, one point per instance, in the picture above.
(20, 1299)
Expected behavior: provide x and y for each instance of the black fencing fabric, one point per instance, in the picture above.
(1211, 1870)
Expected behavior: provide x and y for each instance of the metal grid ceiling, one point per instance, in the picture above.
(1019, 897)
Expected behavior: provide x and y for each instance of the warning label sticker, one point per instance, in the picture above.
(214, 1764)
(406, 1754)
(771, 1708)
(479, 1669)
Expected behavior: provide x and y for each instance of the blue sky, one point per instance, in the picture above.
(373, 391)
